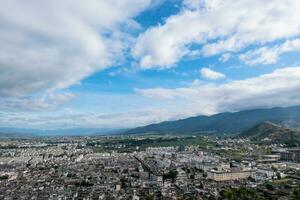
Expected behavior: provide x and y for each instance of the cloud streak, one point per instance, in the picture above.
(279, 88)
(207, 28)
(270, 55)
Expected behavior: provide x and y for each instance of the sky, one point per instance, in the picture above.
(125, 63)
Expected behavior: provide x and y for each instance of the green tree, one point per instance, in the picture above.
(239, 194)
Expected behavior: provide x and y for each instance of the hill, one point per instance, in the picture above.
(268, 132)
(233, 123)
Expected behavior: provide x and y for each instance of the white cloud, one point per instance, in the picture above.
(225, 57)
(47, 46)
(90, 120)
(220, 26)
(270, 55)
(279, 88)
(49, 101)
(211, 74)
(192, 4)
(77, 119)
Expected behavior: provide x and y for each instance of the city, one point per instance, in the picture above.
(147, 167)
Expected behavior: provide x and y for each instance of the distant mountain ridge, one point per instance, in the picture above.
(268, 132)
(232, 123)
(14, 135)
(6, 132)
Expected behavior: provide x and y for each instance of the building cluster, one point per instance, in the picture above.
(64, 170)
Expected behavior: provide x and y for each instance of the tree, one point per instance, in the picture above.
(239, 194)
(171, 175)
(270, 186)
(296, 193)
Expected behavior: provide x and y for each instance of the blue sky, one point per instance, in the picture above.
(120, 64)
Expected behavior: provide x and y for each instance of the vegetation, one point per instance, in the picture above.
(4, 177)
(240, 194)
(268, 191)
(131, 144)
(274, 133)
(296, 194)
(171, 175)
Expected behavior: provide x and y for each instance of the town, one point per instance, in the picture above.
(147, 167)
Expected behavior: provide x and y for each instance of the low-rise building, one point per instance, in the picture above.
(229, 175)
(292, 155)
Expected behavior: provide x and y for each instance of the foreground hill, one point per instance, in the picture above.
(232, 123)
(268, 132)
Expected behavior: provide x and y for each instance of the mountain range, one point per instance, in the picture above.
(225, 123)
(233, 123)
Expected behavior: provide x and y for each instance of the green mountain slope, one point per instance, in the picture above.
(268, 132)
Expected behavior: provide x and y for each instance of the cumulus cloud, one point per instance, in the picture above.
(218, 26)
(211, 74)
(279, 88)
(270, 55)
(47, 46)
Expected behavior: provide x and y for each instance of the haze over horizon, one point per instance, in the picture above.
(121, 64)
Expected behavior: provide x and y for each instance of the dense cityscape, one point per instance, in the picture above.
(147, 167)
